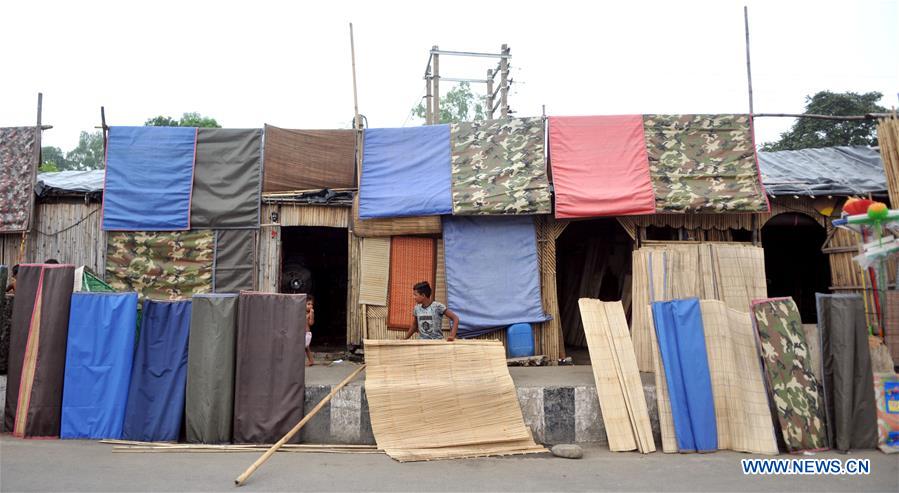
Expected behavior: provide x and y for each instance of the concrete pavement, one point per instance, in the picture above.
(73, 465)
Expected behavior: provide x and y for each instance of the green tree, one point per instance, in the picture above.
(457, 105)
(53, 159)
(187, 120)
(48, 167)
(88, 154)
(813, 132)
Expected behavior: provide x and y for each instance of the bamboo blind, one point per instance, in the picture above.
(888, 137)
(375, 271)
(308, 215)
(398, 226)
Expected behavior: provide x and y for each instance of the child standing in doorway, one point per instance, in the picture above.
(310, 321)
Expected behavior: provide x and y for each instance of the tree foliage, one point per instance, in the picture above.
(811, 132)
(87, 155)
(187, 120)
(457, 105)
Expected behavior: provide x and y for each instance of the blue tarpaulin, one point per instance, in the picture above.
(99, 354)
(406, 172)
(149, 176)
(492, 276)
(159, 375)
(681, 339)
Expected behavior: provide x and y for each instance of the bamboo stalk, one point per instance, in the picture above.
(267, 455)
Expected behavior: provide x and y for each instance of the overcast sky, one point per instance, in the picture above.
(288, 63)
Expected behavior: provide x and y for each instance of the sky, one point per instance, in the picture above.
(288, 63)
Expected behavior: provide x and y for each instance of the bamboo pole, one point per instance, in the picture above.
(267, 455)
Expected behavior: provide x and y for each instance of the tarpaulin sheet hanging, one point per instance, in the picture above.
(18, 163)
(886, 389)
(100, 351)
(160, 265)
(149, 176)
(600, 166)
(681, 339)
(703, 163)
(37, 349)
(405, 172)
(209, 403)
(309, 159)
(226, 189)
(498, 167)
(271, 367)
(235, 260)
(486, 256)
(155, 406)
(793, 386)
(846, 369)
(412, 260)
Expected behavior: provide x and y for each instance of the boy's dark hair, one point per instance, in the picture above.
(51, 261)
(423, 288)
(15, 270)
(309, 297)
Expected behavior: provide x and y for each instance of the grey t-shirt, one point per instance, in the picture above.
(430, 320)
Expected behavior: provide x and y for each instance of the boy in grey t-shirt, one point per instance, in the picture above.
(427, 315)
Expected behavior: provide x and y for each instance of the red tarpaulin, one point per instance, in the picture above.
(600, 166)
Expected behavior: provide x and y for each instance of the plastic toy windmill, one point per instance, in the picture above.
(871, 219)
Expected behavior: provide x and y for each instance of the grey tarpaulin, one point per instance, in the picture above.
(271, 367)
(208, 408)
(70, 181)
(235, 255)
(846, 367)
(843, 170)
(227, 179)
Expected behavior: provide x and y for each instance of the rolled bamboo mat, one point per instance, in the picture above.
(888, 137)
(440, 400)
(375, 271)
(618, 384)
(396, 226)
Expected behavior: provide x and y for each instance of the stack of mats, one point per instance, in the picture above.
(270, 369)
(155, 406)
(102, 328)
(846, 369)
(618, 384)
(643, 164)
(437, 400)
(37, 353)
(886, 389)
(485, 256)
(730, 272)
(791, 383)
(19, 155)
(742, 415)
(208, 406)
(412, 260)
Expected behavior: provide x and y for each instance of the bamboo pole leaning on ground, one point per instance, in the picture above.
(249, 472)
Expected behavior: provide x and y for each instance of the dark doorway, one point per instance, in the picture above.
(314, 260)
(794, 263)
(593, 260)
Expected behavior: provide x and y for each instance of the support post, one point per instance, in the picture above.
(489, 101)
(504, 83)
(748, 66)
(436, 93)
(429, 114)
(357, 122)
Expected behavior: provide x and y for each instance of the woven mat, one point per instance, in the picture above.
(412, 260)
(618, 384)
(396, 226)
(438, 400)
(309, 159)
(741, 401)
(375, 271)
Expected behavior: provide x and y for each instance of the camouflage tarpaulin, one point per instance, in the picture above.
(498, 167)
(703, 163)
(17, 166)
(160, 265)
(792, 384)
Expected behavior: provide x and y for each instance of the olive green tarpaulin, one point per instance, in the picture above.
(160, 265)
(271, 366)
(209, 403)
(235, 260)
(703, 163)
(37, 353)
(227, 175)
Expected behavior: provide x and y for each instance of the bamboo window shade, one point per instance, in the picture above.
(412, 260)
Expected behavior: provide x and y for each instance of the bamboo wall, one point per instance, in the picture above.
(68, 230)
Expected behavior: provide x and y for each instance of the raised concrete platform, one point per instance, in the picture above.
(559, 403)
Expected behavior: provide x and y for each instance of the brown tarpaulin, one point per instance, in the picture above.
(37, 352)
(309, 159)
(271, 366)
